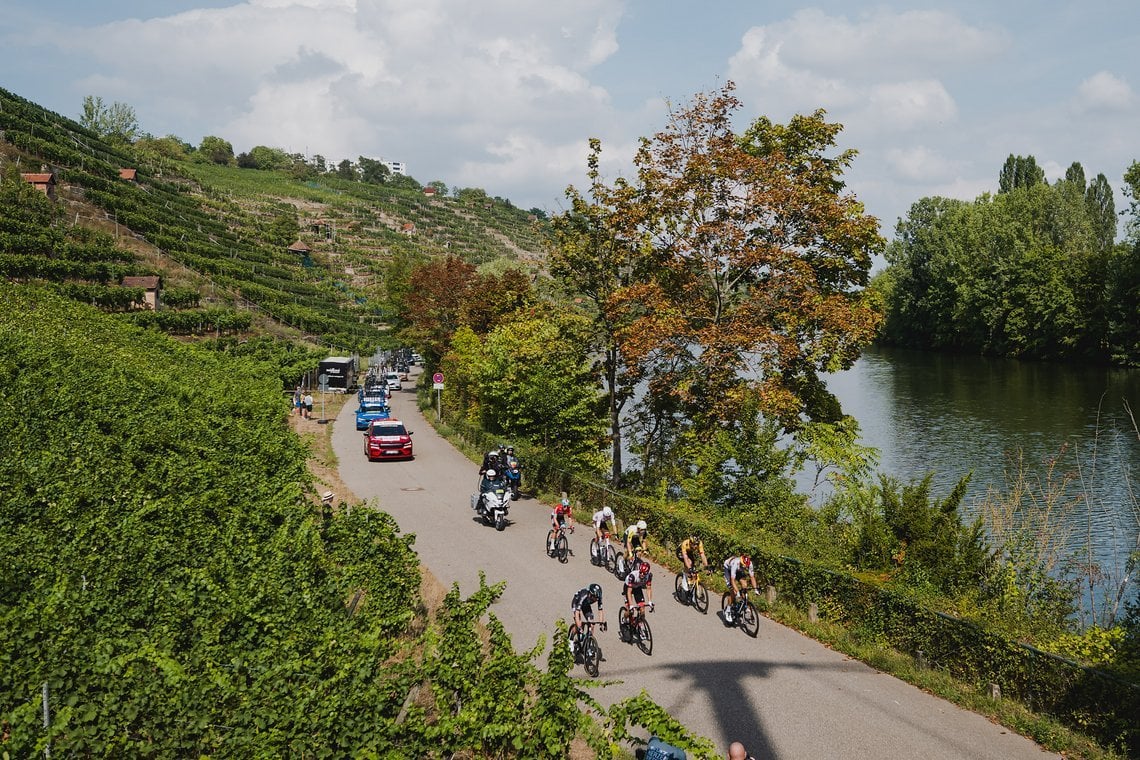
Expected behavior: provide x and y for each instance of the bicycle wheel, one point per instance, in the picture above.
(644, 635)
(550, 543)
(701, 598)
(611, 559)
(724, 605)
(750, 619)
(562, 549)
(591, 656)
(624, 633)
(620, 565)
(596, 557)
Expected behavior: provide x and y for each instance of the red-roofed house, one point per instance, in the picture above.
(300, 247)
(129, 174)
(43, 181)
(408, 228)
(151, 284)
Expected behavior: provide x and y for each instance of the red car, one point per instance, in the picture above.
(387, 439)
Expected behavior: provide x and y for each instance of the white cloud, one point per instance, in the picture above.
(905, 105)
(921, 164)
(1104, 92)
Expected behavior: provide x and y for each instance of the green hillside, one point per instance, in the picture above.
(221, 236)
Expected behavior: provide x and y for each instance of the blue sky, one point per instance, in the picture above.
(503, 94)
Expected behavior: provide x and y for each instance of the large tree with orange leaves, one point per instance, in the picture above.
(752, 264)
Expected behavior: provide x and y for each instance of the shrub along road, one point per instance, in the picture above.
(783, 694)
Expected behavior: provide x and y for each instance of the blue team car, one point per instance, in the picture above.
(371, 409)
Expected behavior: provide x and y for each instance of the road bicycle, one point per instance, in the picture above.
(603, 553)
(744, 614)
(633, 628)
(586, 648)
(622, 565)
(556, 544)
(688, 589)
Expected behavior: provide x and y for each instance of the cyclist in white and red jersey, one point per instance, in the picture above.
(639, 585)
(735, 568)
(600, 518)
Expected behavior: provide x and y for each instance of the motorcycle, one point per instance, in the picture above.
(492, 506)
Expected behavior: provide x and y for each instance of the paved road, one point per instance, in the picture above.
(784, 695)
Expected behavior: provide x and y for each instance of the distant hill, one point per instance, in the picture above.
(237, 249)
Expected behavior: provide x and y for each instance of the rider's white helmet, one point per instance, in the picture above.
(641, 525)
(491, 473)
(607, 513)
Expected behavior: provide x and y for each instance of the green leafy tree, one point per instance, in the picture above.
(215, 150)
(537, 384)
(373, 171)
(1020, 171)
(268, 159)
(347, 170)
(1102, 212)
(116, 122)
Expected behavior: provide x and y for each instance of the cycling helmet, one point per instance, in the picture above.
(491, 473)
(745, 560)
(565, 502)
(641, 525)
(643, 568)
(607, 513)
(694, 538)
(595, 591)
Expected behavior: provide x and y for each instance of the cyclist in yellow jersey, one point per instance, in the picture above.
(689, 549)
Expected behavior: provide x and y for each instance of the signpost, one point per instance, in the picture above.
(437, 384)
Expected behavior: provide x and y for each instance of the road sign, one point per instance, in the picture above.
(323, 381)
(437, 377)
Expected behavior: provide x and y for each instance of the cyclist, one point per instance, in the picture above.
(582, 607)
(735, 568)
(638, 585)
(687, 552)
(561, 517)
(600, 518)
(635, 539)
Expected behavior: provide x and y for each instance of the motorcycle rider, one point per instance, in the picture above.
(491, 481)
(512, 468)
(490, 461)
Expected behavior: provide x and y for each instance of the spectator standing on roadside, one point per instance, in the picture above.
(297, 401)
(308, 406)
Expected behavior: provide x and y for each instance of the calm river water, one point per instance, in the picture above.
(928, 412)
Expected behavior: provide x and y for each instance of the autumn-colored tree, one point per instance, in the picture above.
(493, 298)
(434, 304)
(752, 264)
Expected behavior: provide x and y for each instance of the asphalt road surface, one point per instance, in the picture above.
(784, 695)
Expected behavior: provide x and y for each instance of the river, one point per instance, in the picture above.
(948, 414)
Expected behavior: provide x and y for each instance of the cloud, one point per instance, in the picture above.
(1104, 92)
(921, 164)
(814, 59)
(435, 83)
